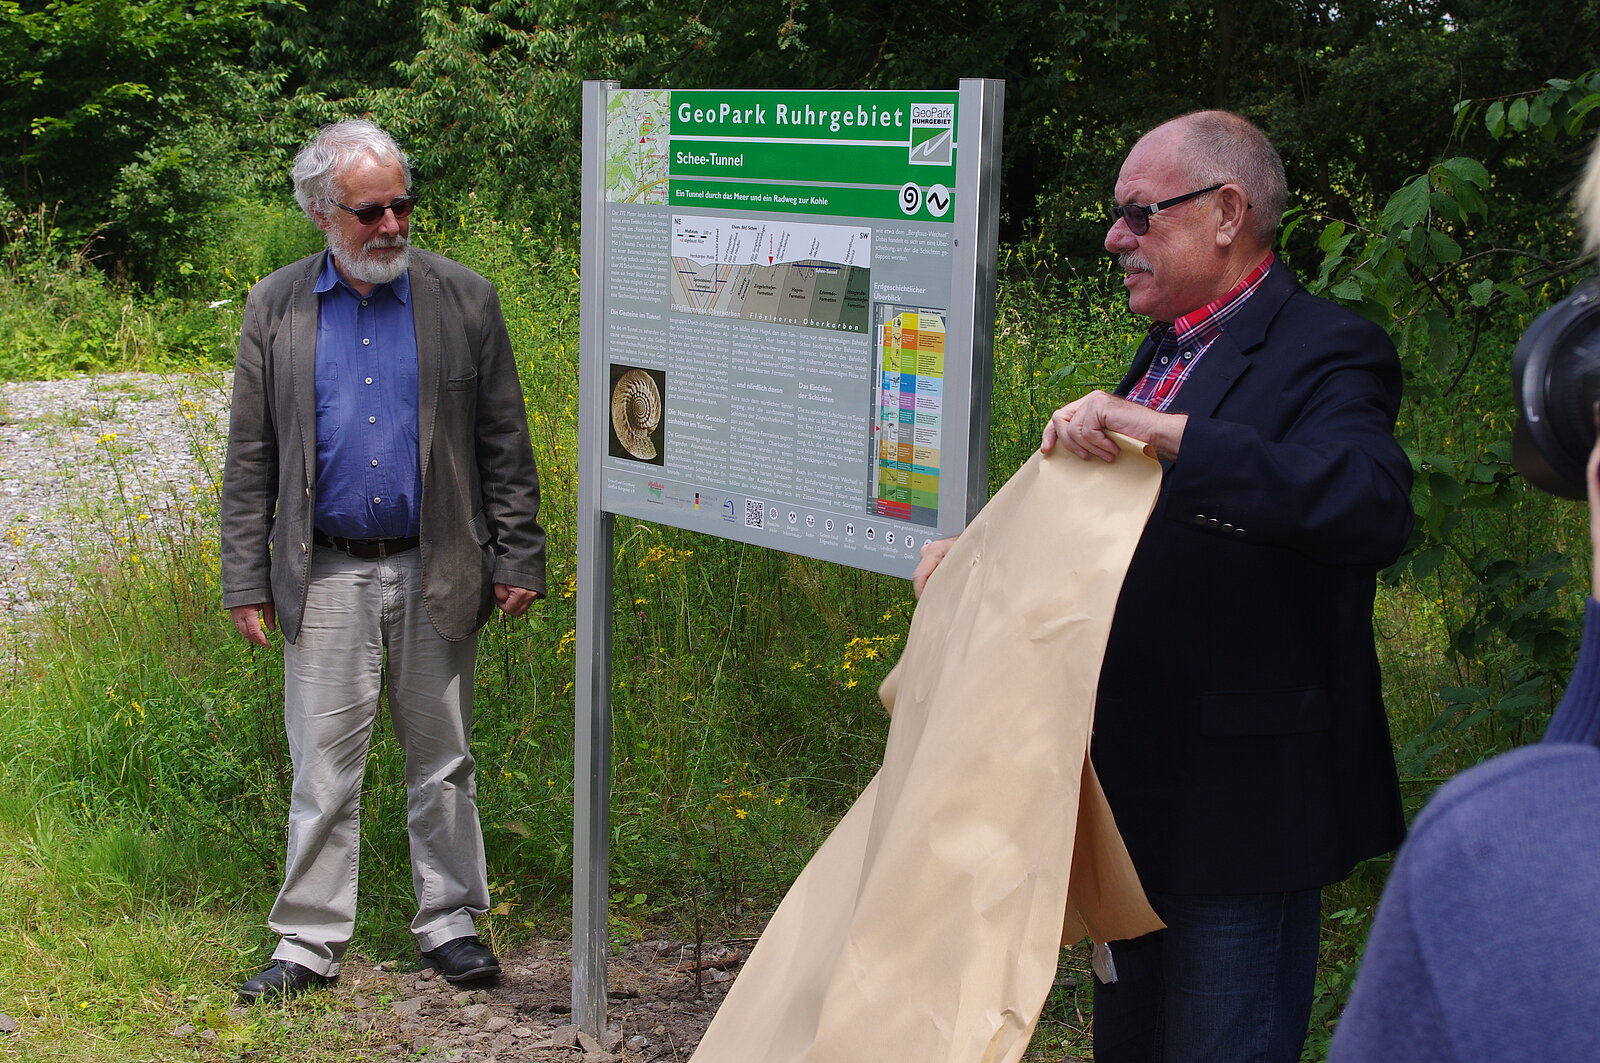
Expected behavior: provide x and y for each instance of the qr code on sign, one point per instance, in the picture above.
(752, 512)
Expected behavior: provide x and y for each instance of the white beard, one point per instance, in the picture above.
(365, 267)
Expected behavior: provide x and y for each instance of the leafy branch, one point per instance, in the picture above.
(1419, 269)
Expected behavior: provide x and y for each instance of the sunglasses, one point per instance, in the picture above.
(367, 215)
(1138, 218)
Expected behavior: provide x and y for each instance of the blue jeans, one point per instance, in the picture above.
(1230, 980)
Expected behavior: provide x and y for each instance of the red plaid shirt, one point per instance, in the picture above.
(1182, 343)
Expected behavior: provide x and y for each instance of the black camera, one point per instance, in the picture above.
(1556, 375)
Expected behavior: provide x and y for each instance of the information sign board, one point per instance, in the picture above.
(794, 338)
(786, 327)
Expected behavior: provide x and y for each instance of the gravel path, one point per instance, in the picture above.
(91, 456)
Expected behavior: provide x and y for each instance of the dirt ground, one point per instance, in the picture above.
(660, 999)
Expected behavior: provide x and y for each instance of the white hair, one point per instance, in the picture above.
(316, 169)
(1220, 147)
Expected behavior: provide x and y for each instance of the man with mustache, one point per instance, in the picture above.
(379, 500)
(1239, 728)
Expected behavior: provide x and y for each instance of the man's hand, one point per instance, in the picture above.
(1081, 426)
(514, 601)
(932, 554)
(254, 621)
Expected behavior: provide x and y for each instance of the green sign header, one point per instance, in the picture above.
(866, 154)
(862, 116)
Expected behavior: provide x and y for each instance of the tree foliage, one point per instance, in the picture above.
(1455, 286)
(118, 110)
(101, 98)
(339, 48)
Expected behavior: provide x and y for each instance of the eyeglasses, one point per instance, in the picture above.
(368, 215)
(1138, 218)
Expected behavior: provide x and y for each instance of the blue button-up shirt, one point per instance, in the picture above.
(369, 482)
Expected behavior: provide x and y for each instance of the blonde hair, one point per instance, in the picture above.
(1589, 200)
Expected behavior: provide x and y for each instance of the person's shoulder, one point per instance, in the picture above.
(447, 270)
(1519, 826)
(1325, 331)
(1516, 789)
(1496, 885)
(1307, 307)
(281, 281)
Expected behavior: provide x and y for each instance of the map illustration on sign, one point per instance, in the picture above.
(637, 146)
(781, 272)
(908, 425)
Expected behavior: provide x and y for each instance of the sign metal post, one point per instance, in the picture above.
(786, 331)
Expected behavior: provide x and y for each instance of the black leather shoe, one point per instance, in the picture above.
(283, 979)
(463, 961)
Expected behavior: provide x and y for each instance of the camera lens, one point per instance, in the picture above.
(1556, 374)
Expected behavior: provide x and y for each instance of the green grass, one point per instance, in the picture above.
(74, 321)
(141, 741)
(112, 941)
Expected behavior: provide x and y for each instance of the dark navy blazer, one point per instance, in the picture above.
(1239, 729)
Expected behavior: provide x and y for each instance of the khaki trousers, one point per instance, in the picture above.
(366, 630)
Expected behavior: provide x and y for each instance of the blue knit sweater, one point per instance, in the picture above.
(1486, 946)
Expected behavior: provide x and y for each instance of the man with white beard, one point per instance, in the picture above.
(380, 499)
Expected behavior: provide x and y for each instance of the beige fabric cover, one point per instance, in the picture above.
(926, 928)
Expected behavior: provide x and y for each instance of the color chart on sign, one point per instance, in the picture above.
(908, 426)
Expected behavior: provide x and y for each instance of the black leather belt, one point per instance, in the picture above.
(366, 549)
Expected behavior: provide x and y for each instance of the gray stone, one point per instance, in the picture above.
(409, 1008)
(475, 1015)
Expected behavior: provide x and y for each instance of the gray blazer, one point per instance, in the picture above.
(480, 487)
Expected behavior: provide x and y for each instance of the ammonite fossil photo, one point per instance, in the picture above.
(636, 412)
